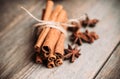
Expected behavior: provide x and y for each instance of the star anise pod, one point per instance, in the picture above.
(94, 35)
(75, 38)
(93, 22)
(91, 36)
(74, 28)
(78, 37)
(89, 22)
(88, 35)
(71, 53)
(84, 23)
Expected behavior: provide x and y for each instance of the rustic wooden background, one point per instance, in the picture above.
(100, 60)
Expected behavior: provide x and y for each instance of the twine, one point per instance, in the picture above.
(56, 25)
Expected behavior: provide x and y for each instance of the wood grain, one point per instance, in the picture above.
(111, 70)
(17, 41)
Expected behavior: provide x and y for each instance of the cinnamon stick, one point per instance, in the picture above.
(44, 32)
(58, 62)
(38, 59)
(50, 64)
(53, 37)
(59, 49)
(47, 45)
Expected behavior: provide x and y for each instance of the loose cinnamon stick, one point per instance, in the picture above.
(53, 37)
(46, 48)
(44, 32)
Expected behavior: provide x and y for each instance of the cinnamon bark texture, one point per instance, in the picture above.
(46, 48)
(58, 62)
(38, 59)
(45, 30)
(52, 56)
(59, 48)
(50, 64)
(53, 37)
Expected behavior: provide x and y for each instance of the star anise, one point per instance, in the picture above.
(89, 22)
(75, 38)
(91, 36)
(71, 53)
(76, 27)
(78, 37)
(84, 23)
(94, 35)
(93, 22)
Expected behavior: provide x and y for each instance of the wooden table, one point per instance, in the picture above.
(100, 60)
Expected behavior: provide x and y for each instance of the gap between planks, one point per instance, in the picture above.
(107, 60)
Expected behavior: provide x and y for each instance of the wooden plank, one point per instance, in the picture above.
(111, 69)
(17, 43)
(12, 41)
(10, 10)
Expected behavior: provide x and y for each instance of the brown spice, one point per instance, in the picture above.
(58, 62)
(59, 48)
(71, 53)
(79, 37)
(75, 38)
(74, 28)
(50, 64)
(89, 22)
(38, 59)
(84, 23)
(91, 36)
(93, 22)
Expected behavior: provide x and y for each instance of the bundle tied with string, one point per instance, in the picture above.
(50, 43)
(47, 40)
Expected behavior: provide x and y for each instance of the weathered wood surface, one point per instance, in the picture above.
(17, 40)
(111, 70)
